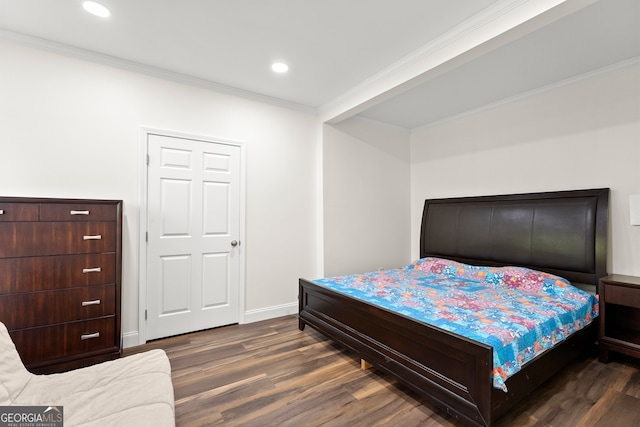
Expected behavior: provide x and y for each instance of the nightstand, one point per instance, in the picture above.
(619, 315)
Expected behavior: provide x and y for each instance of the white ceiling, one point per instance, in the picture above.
(338, 49)
(590, 40)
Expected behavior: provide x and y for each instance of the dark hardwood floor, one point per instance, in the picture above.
(272, 374)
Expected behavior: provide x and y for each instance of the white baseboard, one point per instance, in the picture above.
(266, 313)
(131, 339)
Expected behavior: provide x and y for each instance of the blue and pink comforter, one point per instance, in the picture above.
(517, 311)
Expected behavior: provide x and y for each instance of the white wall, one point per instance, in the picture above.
(582, 135)
(70, 128)
(366, 197)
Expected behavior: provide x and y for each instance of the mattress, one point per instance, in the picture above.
(517, 311)
(131, 391)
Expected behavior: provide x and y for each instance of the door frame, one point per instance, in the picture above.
(143, 153)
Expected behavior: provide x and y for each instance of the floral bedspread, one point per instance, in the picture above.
(518, 311)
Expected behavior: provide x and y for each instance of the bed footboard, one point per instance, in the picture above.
(450, 371)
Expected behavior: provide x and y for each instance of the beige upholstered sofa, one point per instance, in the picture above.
(131, 391)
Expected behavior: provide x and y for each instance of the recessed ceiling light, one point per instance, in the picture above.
(96, 9)
(280, 67)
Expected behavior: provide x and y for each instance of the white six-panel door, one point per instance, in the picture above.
(193, 225)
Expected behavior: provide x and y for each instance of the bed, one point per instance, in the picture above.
(558, 233)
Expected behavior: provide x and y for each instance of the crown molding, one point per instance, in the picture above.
(136, 67)
(534, 92)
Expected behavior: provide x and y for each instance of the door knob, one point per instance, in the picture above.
(234, 243)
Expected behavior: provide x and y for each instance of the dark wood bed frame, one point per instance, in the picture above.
(564, 233)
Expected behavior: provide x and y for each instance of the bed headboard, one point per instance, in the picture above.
(562, 232)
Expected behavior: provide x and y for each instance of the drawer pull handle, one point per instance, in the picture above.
(94, 302)
(96, 237)
(1, 212)
(79, 212)
(89, 336)
(92, 270)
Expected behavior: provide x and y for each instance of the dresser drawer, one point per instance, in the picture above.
(18, 211)
(28, 310)
(77, 212)
(46, 344)
(32, 274)
(56, 238)
(622, 295)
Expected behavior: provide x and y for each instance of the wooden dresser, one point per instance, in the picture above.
(60, 274)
